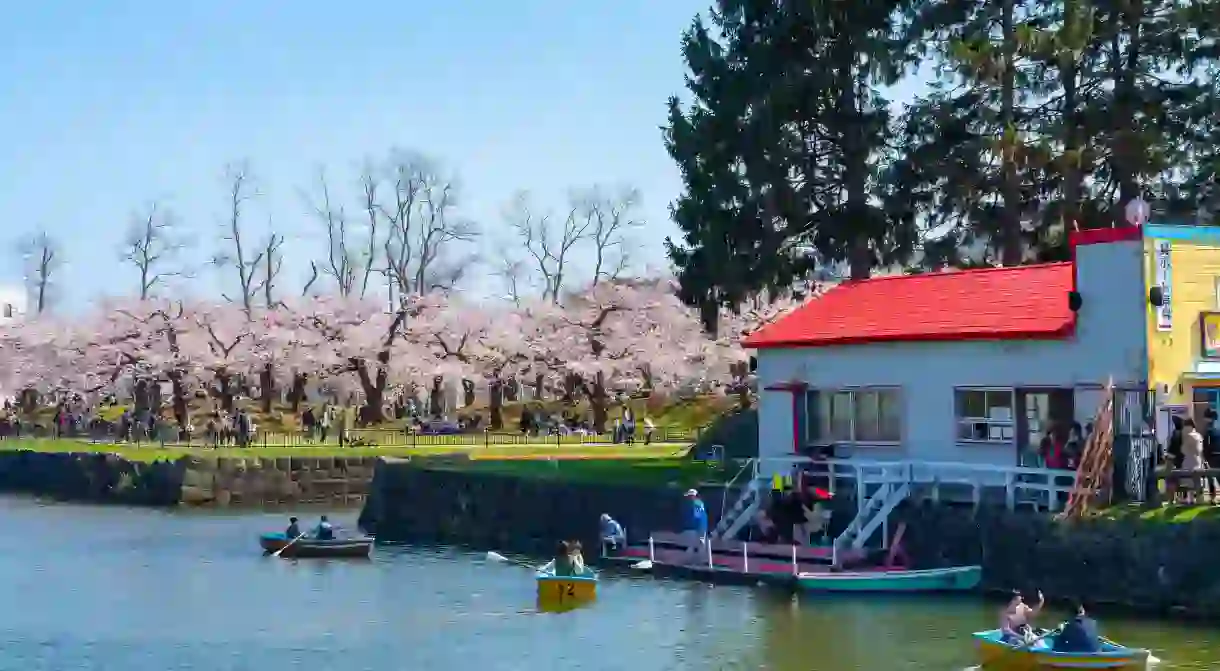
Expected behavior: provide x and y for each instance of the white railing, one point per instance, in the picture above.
(1040, 487)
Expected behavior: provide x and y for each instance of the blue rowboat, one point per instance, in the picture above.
(950, 579)
(994, 653)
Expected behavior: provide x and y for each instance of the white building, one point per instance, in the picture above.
(14, 302)
(968, 367)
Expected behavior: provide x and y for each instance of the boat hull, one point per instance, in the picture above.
(314, 548)
(952, 579)
(995, 654)
(563, 593)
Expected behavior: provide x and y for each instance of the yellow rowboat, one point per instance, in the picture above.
(994, 653)
(562, 593)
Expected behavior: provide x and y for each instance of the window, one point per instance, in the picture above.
(984, 415)
(8, 310)
(871, 415)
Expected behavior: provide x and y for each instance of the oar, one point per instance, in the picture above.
(287, 545)
(501, 559)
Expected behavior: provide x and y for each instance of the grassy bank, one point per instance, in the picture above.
(679, 473)
(517, 452)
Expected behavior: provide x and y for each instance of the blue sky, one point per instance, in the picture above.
(105, 107)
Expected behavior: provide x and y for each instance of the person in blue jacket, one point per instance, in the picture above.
(612, 534)
(696, 522)
(1079, 634)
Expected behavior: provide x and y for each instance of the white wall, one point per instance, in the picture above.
(14, 297)
(1110, 343)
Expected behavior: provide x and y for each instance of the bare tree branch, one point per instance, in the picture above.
(273, 263)
(43, 259)
(424, 233)
(548, 249)
(238, 258)
(610, 224)
(153, 246)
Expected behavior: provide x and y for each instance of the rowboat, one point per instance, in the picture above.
(562, 593)
(994, 653)
(312, 547)
(950, 579)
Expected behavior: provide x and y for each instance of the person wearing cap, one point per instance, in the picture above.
(294, 529)
(612, 534)
(696, 521)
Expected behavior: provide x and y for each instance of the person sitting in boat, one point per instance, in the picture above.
(294, 529)
(1079, 634)
(1015, 620)
(613, 536)
(325, 531)
(576, 558)
(561, 565)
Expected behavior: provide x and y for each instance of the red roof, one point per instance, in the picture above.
(1019, 303)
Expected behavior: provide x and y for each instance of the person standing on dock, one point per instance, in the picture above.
(696, 523)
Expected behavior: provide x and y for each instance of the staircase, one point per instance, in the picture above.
(732, 521)
(873, 514)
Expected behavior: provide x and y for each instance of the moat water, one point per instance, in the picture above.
(143, 590)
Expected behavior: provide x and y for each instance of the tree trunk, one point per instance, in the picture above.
(374, 391)
(181, 409)
(597, 400)
(570, 383)
(298, 391)
(266, 383)
(224, 389)
(511, 390)
(538, 386)
(1011, 253)
(495, 403)
(436, 397)
(468, 392)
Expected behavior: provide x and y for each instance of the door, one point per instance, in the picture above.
(1040, 411)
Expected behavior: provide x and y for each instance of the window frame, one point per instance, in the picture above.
(817, 434)
(959, 420)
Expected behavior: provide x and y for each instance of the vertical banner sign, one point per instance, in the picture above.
(1164, 279)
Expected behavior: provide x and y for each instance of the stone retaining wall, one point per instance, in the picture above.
(193, 481)
(1148, 566)
(511, 514)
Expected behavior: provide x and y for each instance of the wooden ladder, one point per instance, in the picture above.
(1095, 473)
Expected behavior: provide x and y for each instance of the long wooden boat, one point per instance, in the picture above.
(558, 593)
(950, 579)
(994, 653)
(312, 547)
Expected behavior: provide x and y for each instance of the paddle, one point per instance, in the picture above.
(493, 556)
(287, 545)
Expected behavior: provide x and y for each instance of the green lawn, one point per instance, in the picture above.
(522, 452)
(655, 472)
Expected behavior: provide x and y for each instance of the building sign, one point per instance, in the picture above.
(1164, 279)
(1209, 334)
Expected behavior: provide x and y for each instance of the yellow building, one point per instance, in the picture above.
(1182, 266)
